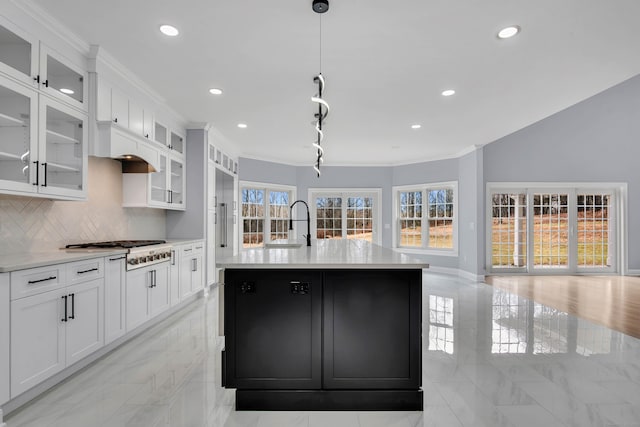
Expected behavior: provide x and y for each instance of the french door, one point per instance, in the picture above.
(552, 230)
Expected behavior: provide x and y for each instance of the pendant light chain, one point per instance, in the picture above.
(319, 6)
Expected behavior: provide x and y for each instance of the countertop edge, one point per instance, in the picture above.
(51, 258)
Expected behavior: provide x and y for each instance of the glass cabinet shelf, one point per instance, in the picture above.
(8, 121)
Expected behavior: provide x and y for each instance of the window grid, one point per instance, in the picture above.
(509, 230)
(550, 330)
(593, 339)
(440, 218)
(328, 217)
(410, 219)
(441, 332)
(252, 217)
(360, 218)
(279, 214)
(593, 230)
(551, 225)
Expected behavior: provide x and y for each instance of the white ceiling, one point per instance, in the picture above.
(385, 63)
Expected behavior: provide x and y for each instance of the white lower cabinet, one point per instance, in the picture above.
(5, 333)
(191, 269)
(114, 298)
(55, 328)
(147, 293)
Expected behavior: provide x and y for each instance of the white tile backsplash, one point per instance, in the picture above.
(35, 224)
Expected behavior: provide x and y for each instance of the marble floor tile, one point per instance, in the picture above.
(495, 360)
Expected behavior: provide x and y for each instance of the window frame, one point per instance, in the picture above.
(424, 188)
(267, 188)
(345, 194)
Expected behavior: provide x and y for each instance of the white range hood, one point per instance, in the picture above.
(121, 144)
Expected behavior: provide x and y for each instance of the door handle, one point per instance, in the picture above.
(65, 309)
(45, 174)
(37, 163)
(73, 306)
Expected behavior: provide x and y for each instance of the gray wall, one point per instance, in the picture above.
(597, 140)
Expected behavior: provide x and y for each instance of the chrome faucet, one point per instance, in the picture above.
(308, 220)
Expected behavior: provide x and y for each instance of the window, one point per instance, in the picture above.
(555, 228)
(265, 213)
(426, 217)
(350, 214)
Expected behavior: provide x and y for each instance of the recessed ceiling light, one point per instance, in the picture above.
(507, 32)
(448, 92)
(416, 126)
(215, 91)
(67, 91)
(242, 125)
(169, 30)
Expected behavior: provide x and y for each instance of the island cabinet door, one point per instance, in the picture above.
(273, 329)
(372, 324)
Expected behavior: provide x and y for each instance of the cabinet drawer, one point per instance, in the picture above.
(82, 271)
(37, 280)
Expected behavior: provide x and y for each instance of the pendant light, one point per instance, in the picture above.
(320, 7)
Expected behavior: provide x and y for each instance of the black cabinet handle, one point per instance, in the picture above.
(73, 306)
(37, 78)
(146, 135)
(88, 271)
(31, 282)
(194, 264)
(115, 120)
(65, 309)
(45, 174)
(37, 163)
(46, 83)
(150, 279)
(117, 259)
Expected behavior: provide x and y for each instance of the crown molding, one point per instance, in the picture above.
(50, 23)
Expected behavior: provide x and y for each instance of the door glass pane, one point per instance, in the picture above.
(15, 51)
(508, 230)
(550, 230)
(279, 213)
(15, 138)
(160, 133)
(176, 182)
(360, 218)
(64, 79)
(593, 230)
(329, 217)
(411, 218)
(159, 182)
(64, 135)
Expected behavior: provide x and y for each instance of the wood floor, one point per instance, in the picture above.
(613, 301)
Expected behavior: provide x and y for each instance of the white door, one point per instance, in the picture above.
(37, 339)
(159, 294)
(114, 298)
(186, 265)
(85, 327)
(138, 284)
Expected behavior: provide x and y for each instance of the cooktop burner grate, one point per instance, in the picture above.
(125, 244)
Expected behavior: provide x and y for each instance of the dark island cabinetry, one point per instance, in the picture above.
(310, 339)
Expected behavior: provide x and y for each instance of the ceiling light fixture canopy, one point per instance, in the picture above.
(507, 32)
(169, 30)
(319, 6)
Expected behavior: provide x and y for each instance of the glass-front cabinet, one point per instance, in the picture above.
(43, 144)
(167, 185)
(176, 190)
(18, 137)
(26, 59)
(63, 142)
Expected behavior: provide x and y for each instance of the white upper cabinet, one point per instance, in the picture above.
(177, 142)
(31, 62)
(43, 144)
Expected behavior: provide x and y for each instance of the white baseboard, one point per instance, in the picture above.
(456, 272)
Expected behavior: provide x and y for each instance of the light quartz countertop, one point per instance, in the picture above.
(324, 254)
(24, 260)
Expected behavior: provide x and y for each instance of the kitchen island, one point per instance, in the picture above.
(334, 326)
